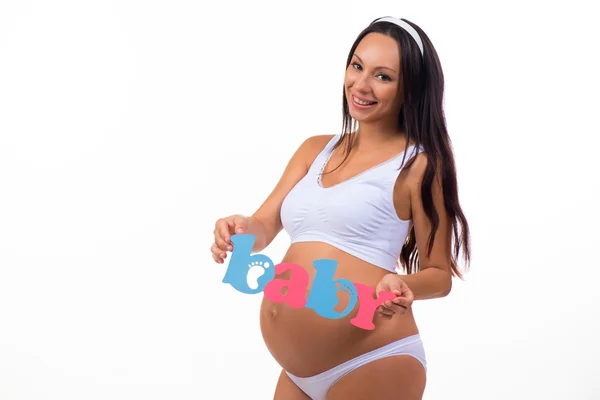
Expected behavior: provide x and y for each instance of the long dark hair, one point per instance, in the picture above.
(422, 118)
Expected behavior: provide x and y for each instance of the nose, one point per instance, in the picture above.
(362, 83)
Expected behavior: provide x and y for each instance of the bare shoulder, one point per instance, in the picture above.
(312, 146)
(319, 139)
(416, 174)
(415, 178)
(417, 169)
(317, 142)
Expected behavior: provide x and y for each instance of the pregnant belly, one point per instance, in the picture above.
(306, 343)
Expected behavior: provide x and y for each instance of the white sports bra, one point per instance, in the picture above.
(356, 216)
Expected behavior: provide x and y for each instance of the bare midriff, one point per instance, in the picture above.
(305, 343)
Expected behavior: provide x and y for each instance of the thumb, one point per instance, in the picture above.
(240, 224)
(397, 290)
(395, 287)
(383, 286)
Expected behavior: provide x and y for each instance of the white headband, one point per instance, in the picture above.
(406, 27)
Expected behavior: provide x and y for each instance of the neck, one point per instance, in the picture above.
(373, 136)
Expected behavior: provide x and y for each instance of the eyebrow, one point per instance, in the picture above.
(359, 59)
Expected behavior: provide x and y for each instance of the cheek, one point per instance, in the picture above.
(349, 78)
(389, 95)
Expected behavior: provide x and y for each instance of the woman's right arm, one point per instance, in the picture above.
(265, 223)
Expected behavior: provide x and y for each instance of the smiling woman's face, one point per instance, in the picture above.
(374, 77)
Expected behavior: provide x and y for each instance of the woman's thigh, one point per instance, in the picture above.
(286, 389)
(399, 377)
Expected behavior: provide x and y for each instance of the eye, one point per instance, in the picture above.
(385, 77)
(355, 65)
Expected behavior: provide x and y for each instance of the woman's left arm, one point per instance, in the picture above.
(434, 278)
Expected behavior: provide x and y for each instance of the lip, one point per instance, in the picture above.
(359, 106)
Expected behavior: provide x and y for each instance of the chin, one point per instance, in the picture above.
(362, 118)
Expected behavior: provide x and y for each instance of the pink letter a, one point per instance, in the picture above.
(296, 286)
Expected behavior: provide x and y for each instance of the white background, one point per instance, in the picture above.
(128, 127)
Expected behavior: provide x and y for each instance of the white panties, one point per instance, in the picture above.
(317, 386)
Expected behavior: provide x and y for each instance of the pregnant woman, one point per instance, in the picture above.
(379, 197)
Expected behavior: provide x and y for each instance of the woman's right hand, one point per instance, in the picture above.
(224, 228)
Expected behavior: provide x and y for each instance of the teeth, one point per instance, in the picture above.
(362, 103)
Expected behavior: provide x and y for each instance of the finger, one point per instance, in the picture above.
(217, 259)
(382, 290)
(392, 306)
(405, 293)
(387, 312)
(217, 251)
(222, 237)
(400, 290)
(400, 310)
(221, 244)
(396, 306)
(402, 302)
(222, 231)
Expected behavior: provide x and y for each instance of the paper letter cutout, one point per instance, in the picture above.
(295, 296)
(368, 305)
(323, 296)
(241, 262)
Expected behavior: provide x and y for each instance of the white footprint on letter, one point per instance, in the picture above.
(350, 290)
(257, 269)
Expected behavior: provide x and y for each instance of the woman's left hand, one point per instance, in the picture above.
(394, 283)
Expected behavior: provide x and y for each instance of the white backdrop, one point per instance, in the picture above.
(128, 127)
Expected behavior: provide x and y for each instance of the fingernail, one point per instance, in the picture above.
(240, 230)
(229, 248)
